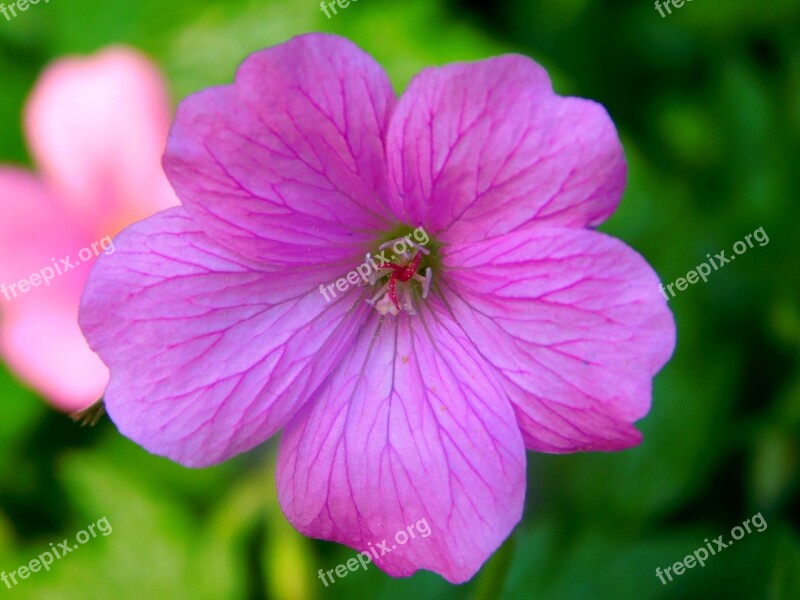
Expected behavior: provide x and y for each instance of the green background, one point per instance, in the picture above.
(707, 101)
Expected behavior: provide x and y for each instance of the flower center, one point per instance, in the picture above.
(397, 276)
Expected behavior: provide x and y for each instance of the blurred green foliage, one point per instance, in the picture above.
(707, 101)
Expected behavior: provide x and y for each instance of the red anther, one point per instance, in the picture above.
(400, 273)
(392, 266)
(408, 272)
(393, 290)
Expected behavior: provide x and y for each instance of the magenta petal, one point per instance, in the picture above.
(480, 149)
(412, 426)
(574, 321)
(210, 354)
(288, 164)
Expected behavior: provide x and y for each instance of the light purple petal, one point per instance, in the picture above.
(481, 149)
(412, 426)
(574, 321)
(288, 164)
(210, 354)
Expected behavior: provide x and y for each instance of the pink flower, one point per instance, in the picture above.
(531, 330)
(97, 128)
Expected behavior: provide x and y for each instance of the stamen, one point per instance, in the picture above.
(422, 249)
(407, 305)
(386, 307)
(385, 245)
(396, 294)
(380, 293)
(425, 281)
(372, 274)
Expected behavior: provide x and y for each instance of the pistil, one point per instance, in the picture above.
(394, 296)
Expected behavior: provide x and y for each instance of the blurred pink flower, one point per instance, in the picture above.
(96, 127)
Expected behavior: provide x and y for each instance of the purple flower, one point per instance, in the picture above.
(414, 396)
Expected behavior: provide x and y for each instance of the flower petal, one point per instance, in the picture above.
(575, 322)
(412, 426)
(34, 228)
(39, 335)
(210, 354)
(481, 149)
(288, 164)
(97, 127)
(41, 341)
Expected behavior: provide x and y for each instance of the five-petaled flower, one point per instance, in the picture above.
(520, 327)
